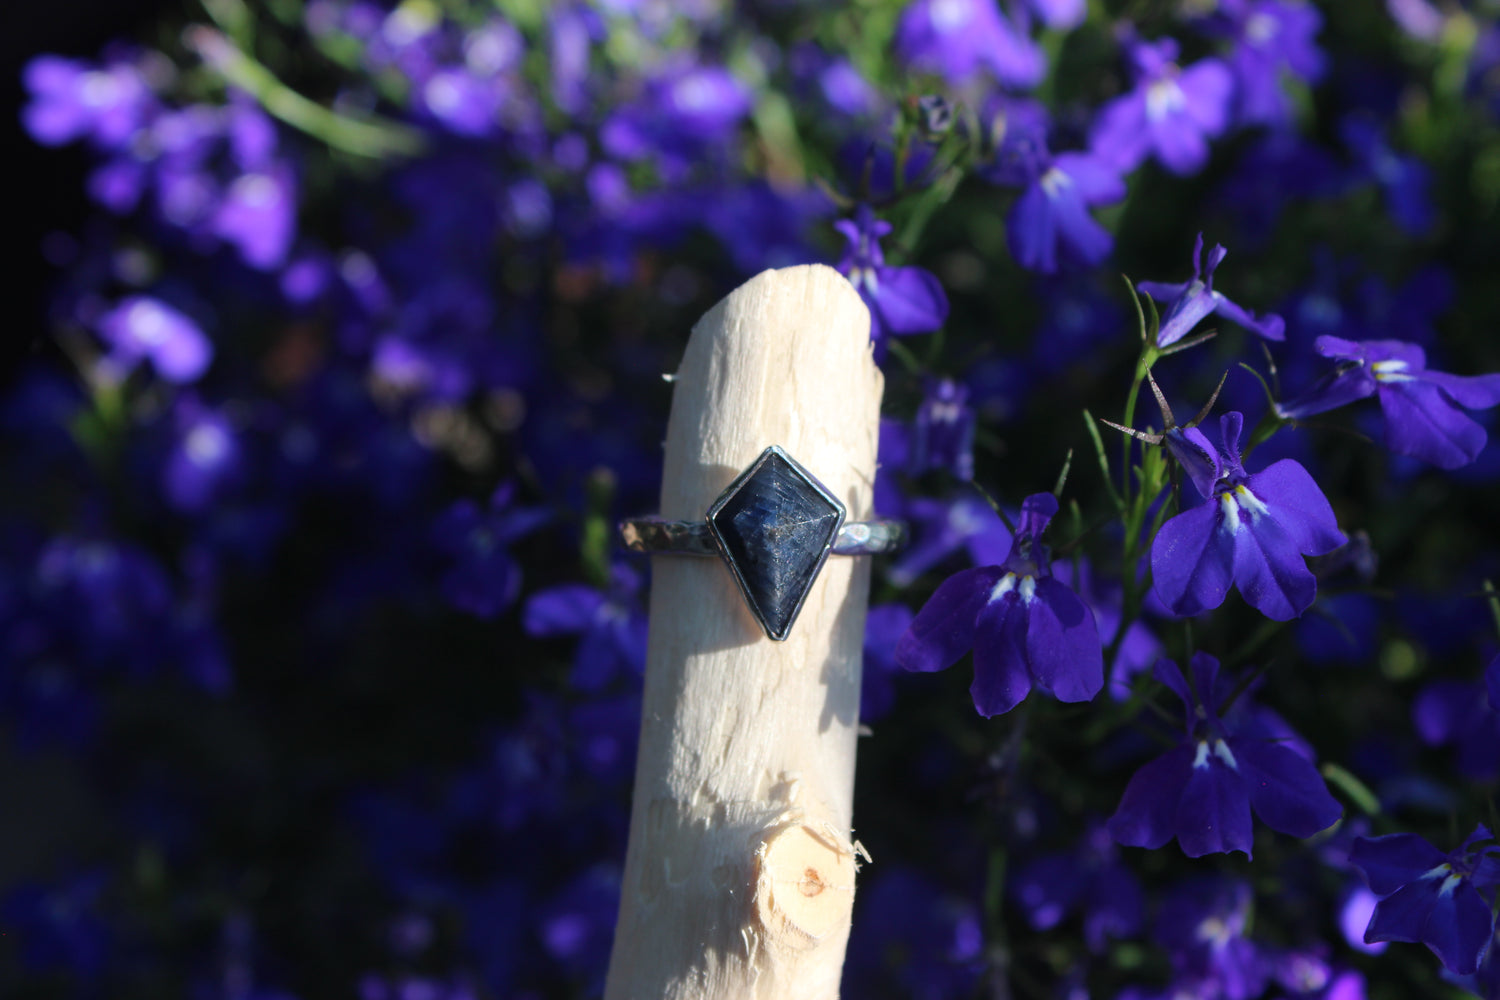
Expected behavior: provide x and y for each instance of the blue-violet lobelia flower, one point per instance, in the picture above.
(1049, 226)
(1027, 629)
(145, 327)
(1190, 301)
(482, 578)
(901, 300)
(1172, 112)
(943, 432)
(958, 38)
(611, 624)
(1204, 791)
(1271, 40)
(1252, 532)
(1428, 896)
(1424, 409)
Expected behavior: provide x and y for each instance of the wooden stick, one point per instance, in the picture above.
(739, 878)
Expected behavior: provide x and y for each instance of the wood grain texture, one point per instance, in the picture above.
(739, 877)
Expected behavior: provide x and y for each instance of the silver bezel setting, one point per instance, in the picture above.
(729, 493)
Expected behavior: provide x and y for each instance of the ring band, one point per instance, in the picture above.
(694, 538)
(774, 527)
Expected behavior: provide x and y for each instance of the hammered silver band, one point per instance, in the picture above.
(695, 538)
(773, 527)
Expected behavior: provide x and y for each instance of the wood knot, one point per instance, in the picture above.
(804, 886)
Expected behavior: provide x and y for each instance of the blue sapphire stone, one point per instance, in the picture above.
(774, 526)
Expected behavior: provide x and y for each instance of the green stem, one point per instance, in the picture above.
(1142, 367)
(371, 137)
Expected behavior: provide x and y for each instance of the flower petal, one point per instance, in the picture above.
(1422, 422)
(1458, 927)
(1147, 814)
(564, 610)
(1402, 916)
(1472, 392)
(1181, 148)
(910, 300)
(1062, 642)
(1002, 677)
(1269, 326)
(1095, 181)
(1214, 814)
(1286, 791)
(1192, 561)
(1391, 861)
(1206, 86)
(1119, 136)
(1031, 231)
(944, 629)
(1269, 569)
(1298, 505)
(1162, 291)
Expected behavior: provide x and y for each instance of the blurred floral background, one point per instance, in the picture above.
(336, 352)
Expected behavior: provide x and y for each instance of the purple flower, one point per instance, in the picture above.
(1271, 39)
(1203, 791)
(60, 927)
(1026, 628)
(941, 528)
(482, 578)
(1457, 712)
(1172, 112)
(1354, 916)
(258, 215)
(685, 114)
(1089, 877)
(203, 459)
(943, 434)
(144, 327)
(958, 38)
(1202, 925)
(1423, 409)
(902, 300)
(1190, 301)
(1403, 180)
(1049, 226)
(1252, 532)
(612, 625)
(912, 938)
(71, 100)
(1429, 896)
(1060, 14)
(577, 926)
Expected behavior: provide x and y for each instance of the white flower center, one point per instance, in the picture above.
(1391, 370)
(99, 89)
(1231, 512)
(149, 323)
(442, 95)
(1261, 28)
(945, 413)
(256, 191)
(949, 15)
(1054, 182)
(206, 444)
(1024, 586)
(1163, 98)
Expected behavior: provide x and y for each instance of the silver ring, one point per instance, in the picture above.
(774, 527)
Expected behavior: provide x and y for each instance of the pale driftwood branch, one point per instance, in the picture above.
(739, 879)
